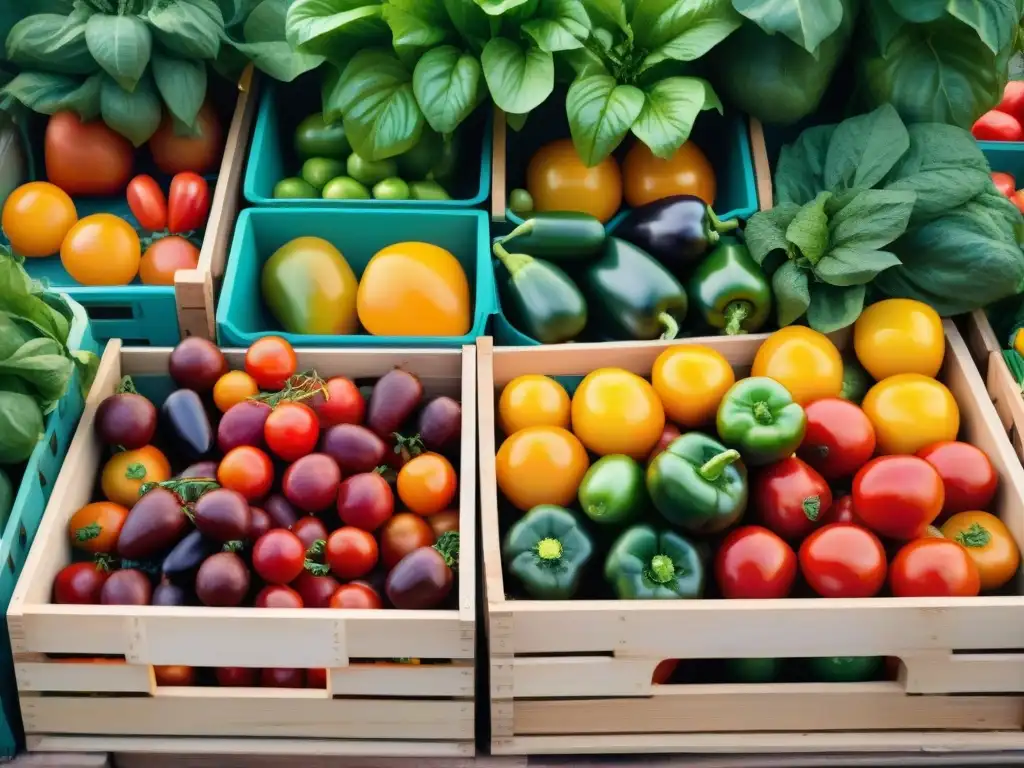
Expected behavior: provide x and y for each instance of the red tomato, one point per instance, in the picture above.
(316, 678)
(664, 671)
(147, 203)
(283, 677)
(174, 152)
(86, 158)
(271, 362)
(162, 260)
(791, 497)
(236, 677)
(278, 556)
(841, 511)
(1004, 182)
(310, 530)
(934, 568)
(316, 591)
(843, 560)
(355, 595)
(402, 534)
(839, 438)
(189, 203)
(1013, 99)
(278, 596)
(754, 563)
(668, 434)
(351, 552)
(79, 584)
(968, 479)
(291, 431)
(897, 496)
(997, 126)
(343, 404)
(247, 470)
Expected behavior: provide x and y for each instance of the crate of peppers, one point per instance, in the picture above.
(685, 540)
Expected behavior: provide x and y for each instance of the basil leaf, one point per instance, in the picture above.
(498, 7)
(918, 11)
(600, 115)
(516, 122)
(583, 62)
(873, 219)
(765, 232)
(49, 93)
(864, 149)
(808, 230)
(670, 110)
(412, 33)
(800, 172)
(374, 97)
(853, 265)
(791, 288)
(134, 114)
(682, 30)
(519, 79)
(263, 42)
(995, 21)
(883, 23)
(121, 45)
(833, 307)
(610, 14)
(469, 21)
(51, 42)
(334, 27)
(448, 85)
(182, 85)
(560, 25)
(806, 22)
(190, 28)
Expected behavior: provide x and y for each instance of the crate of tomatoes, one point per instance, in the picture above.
(720, 547)
(251, 548)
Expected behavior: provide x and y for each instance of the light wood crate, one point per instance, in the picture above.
(367, 708)
(575, 676)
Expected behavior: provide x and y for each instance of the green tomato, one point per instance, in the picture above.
(391, 189)
(345, 188)
(428, 190)
(294, 188)
(317, 171)
(315, 138)
(520, 201)
(369, 172)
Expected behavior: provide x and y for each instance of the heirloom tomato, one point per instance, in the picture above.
(897, 496)
(36, 218)
(247, 470)
(291, 431)
(271, 361)
(839, 439)
(174, 675)
(648, 178)
(162, 260)
(616, 411)
(343, 403)
(909, 412)
(199, 151)
(278, 556)
(989, 544)
(843, 560)
(558, 180)
(664, 671)
(968, 479)
(79, 584)
(232, 388)
(188, 203)
(86, 158)
(1005, 183)
(934, 568)
(804, 361)
(101, 249)
(899, 336)
(755, 563)
(532, 401)
(691, 381)
(351, 552)
(125, 473)
(402, 534)
(427, 484)
(95, 527)
(355, 595)
(541, 465)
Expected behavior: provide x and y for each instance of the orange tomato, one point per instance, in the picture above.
(616, 411)
(558, 180)
(174, 674)
(95, 527)
(86, 158)
(101, 249)
(126, 472)
(541, 465)
(165, 257)
(802, 360)
(649, 178)
(427, 484)
(988, 542)
(232, 388)
(530, 401)
(247, 470)
(174, 153)
(37, 217)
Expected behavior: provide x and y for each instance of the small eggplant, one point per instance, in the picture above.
(222, 581)
(154, 524)
(678, 231)
(395, 396)
(181, 563)
(187, 425)
(242, 424)
(440, 423)
(223, 515)
(423, 578)
(281, 512)
(355, 448)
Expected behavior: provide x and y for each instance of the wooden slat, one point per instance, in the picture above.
(251, 746)
(84, 678)
(499, 167)
(567, 676)
(963, 673)
(403, 680)
(762, 171)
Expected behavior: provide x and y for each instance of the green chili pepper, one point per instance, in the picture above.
(547, 550)
(758, 417)
(645, 564)
(559, 235)
(730, 290)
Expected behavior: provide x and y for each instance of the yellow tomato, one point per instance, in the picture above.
(101, 249)
(532, 401)
(126, 472)
(989, 544)
(558, 180)
(648, 178)
(414, 289)
(909, 412)
(691, 381)
(37, 217)
(541, 465)
(615, 411)
(232, 388)
(899, 336)
(804, 361)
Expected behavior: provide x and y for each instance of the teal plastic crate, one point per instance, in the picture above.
(1006, 156)
(19, 530)
(358, 234)
(272, 155)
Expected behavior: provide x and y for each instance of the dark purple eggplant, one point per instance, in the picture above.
(186, 424)
(440, 423)
(355, 448)
(127, 587)
(223, 515)
(395, 397)
(206, 469)
(197, 363)
(126, 419)
(167, 593)
(282, 513)
(154, 525)
(677, 231)
(181, 563)
(222, 581)
(242, 424)
(423, 579)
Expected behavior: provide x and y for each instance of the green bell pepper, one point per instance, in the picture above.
(547, 550)
(698, 484)
(759, 418)
(567, 236)
(612, 492)
(730, 290)
(844, 669)
(645, 564)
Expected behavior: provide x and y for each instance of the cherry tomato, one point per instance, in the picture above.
(101, 249)
(843, 560)
(278, 596)
(316, 678)
(427, 484)
(1012, 102)
(664, 671)
(344, 403)
(271, 361)
(86, 158)
(402, 534)
(668, 434)
(355, 595)
(236, 677)
(649, 178)
(839, 439)
(95, 527)
(283, 677)
(188, 204)
(291, 431)
(754, 563)
(247, 470)
(532, 401)
(174, 152)
(841, 511)
(79, 584)
(126, 472)
(351, 552)
(310, 530)
(968, 479)
(162, 260)
(37, 217)
(278, 556)
(232, 388)
(791, 498)
(147, 203)
(989, 544)
(934, 568)
(174, 675)
(897, 496)
(997, 126)
(316, 591)
(558, 180)
(1004, 182)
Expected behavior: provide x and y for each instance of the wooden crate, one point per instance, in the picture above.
(367, 708)
(575, 676)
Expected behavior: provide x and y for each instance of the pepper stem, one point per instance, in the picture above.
(514, 262)
(713, 468)
(663, 570)
(670, 325)
(523, 230)
(735, 313)
(719, 226)
(549, 549)
(763, 413)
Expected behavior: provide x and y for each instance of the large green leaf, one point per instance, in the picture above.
(334, 28)
(806, 22)
(121, 45)
(682, 30)
(181, 84)
(863, 149)
(670, 110)
(498, 7)
(560, 25)
(448, 84)
(192, 29)
(610, 14)
(263, 42)
(883, 23)
(601, 112)
(917, 11)
(519, 79)
(995, 21)
(48, 93)
(470, 21)
(134, 114)
(416, 26)
(51, 42)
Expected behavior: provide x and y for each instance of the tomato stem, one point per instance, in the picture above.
(448, 547)
(233, 546)
(975, 536)
(299, 387)
(88, 532)
(188, 489)
(127, 386)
